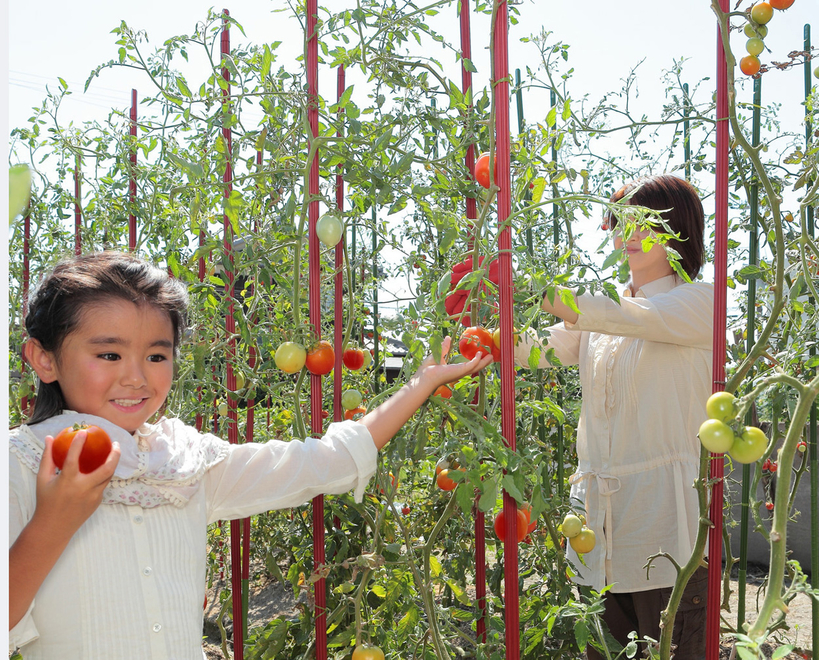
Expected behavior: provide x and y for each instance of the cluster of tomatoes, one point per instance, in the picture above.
(756, 30)
(581, 538)
(524, 524)
(717, 434)
(291, 357)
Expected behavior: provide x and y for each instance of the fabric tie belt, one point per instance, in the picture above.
(607, 485)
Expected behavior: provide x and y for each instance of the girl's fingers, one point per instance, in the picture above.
(72, 458)
(47, 466)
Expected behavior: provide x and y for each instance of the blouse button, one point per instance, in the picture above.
(146, 570)
(157, 627)
(137, 519)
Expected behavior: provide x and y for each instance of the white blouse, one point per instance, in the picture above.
(131, 581)
(645, 373)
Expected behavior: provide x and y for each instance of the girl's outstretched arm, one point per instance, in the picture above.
(385, 421)
(64, 502)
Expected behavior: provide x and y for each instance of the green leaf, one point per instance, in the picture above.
(183, 87)
(613, 258)
(408, 622)
(489, 496)
(464, 496)
(511, 487)
(435, 566)
(567, 112)
(581, 633)
(567, 297)
(379, 590)
(782, 651)
(551, 117)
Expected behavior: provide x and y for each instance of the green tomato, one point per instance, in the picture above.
(329, 229)
(816, 72)
(721, 406)
(368, 359)
(351, 399)
(571, 526)
(716, 436)
(755, 31)
(750, 446)
(754, 46)
(290, 357)
(761, 13)
(19, 189)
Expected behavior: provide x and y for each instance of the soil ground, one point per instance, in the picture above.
(270, 599)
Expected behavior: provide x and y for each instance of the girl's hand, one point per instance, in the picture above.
(440, 373)
(66, 500)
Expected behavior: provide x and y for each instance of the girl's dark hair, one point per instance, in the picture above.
(685, 216)
(56, 306)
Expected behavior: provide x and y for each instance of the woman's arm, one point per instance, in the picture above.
(64, 502)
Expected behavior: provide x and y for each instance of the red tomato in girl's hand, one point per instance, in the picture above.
(94, 452)
(522, 526)
(320, 358)
(482, 170)
(475, 339)
(353, 358)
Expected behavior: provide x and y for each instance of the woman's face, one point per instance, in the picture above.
(646, 266)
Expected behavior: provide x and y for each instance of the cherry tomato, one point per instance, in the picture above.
(482, 170)
(769, 506)
(443, 391)
(527, 511)
(405, 510)
(290, 357)
(446, 463)
(320, 358)
(94, 452)
(752, 30)
(750, 446)
(349, 414)
(329, 229)
(222, 409)
(444, 481)
(522, 526)
(781, 4)
(802, 446)
(754, 46)
(584, 541)
(716, 436)
(475, 339)
(761, 13)
(368, 359)
(351, 399)
(366, 652)
(353, 358)
(749, 65)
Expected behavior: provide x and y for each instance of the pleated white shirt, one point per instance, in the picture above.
(131, 583)
(645, 374)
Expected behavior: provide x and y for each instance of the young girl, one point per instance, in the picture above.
(111, 565)
(645, 374)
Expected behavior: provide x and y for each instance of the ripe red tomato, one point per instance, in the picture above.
(367, 653)
(94, 452)
(353, 358)
(522, 526)
(780, 4)
(443, 391)
(482, 170)
(749, 65)
(349, 414)
(446, 463)
(475, 339)
(320, 358)
(445, 482)
(405, 510)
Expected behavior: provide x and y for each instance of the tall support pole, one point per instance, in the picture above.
(500, 83)
(718, 370)
(753, 257)
(77, 206)
(686, 133)
(812, 444)
(464, 10)
(314, 260)
(338, 319)
(132, 157)
(230, 333)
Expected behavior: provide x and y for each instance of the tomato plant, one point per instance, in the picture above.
(94, 452)
(320, 358)
(353, 358)
(290, 357)
(482, 170)
(522, 523)
(475, 339)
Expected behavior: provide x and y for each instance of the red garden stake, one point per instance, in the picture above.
(132, 175)
(77, 207)
(718, 368)
(314, 279)
(338, 319)
(500, 83)
(230, 331)
(472, 214)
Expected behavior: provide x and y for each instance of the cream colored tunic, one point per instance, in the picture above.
(131, 583)
(645, 373)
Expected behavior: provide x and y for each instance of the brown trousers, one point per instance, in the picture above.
(640, 612)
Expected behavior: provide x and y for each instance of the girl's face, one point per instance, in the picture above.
(118, 363)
